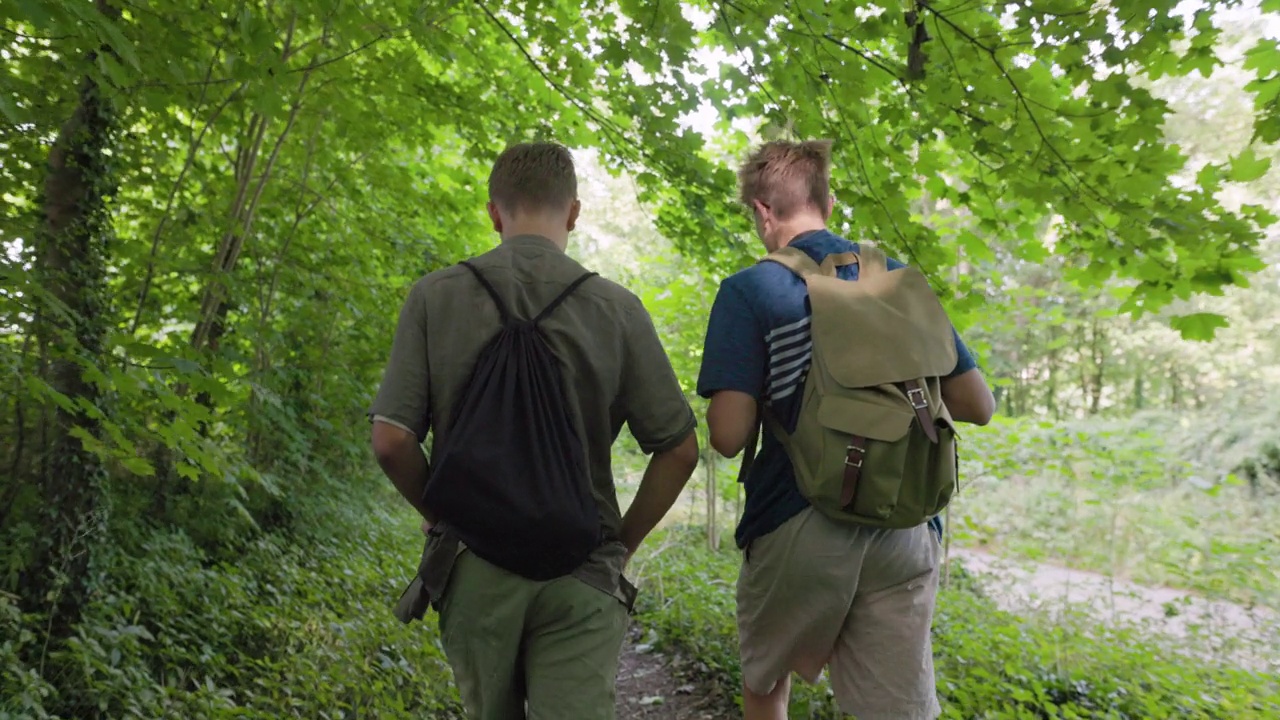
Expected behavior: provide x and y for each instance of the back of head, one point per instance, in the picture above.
(787, 176)
(533, 178)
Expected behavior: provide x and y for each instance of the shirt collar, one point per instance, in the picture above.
(530, 240)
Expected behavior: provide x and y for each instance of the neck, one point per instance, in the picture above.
(787, 231)
(558, 238)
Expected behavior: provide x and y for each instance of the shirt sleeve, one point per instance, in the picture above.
(734, 356)
(965, 361)
(403, 399)
(654, 405)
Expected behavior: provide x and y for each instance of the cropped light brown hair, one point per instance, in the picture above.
(533, 177)
(786, 175)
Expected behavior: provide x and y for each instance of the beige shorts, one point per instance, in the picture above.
(857, 600)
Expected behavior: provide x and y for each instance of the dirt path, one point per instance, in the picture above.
(650, 688)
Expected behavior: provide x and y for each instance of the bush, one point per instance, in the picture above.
(1125, 498)
(990, 664)
(296, 625)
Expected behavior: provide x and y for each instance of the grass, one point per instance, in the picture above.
(990, 664)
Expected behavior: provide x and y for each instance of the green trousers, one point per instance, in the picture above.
(522, 649)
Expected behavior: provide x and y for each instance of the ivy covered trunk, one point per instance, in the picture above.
(71, 262)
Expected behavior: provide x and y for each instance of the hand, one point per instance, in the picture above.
(426, 527)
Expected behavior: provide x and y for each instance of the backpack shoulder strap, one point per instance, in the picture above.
(562, 296)
(795, 260)
(503, 313)
(871, 260)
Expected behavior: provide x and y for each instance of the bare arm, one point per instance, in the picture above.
(401, 458)
(664, 479)
(968, 398)
(730, 419)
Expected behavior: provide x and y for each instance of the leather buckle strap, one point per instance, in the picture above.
(919, 400)
(855, 454)
(916, 397)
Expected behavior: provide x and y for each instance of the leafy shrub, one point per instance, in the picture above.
(990, 664)
(295, 625)
(1126, 498)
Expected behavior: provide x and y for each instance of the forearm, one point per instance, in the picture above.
(407, 469)
(660, 487)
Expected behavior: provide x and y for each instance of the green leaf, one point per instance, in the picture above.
(9, 110)
(138, 466)
(1198, 326)
(1247, 166)
(119, 43)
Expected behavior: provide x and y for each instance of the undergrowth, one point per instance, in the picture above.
(284, 625)
(990, 664)
(1125, 498)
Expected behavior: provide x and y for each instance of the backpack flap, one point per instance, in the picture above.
(885, 328)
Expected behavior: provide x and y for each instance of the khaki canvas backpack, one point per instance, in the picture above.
(874, 444)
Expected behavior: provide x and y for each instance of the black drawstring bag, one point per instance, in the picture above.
(510, 476)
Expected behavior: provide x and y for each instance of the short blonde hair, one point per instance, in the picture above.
(787, 175)
(533, 177)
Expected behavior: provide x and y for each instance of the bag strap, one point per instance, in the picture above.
(562, 296)
(799, 262)
(837, 260)
(749, 452)
(795, 260)
(765, 419)
(872, 260)
(918, 396)
(504, 314)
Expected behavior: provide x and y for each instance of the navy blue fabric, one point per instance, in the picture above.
(758, 343)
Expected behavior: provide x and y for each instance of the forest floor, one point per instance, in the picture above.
(655, 686)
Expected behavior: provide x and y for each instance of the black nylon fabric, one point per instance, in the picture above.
(511, 477)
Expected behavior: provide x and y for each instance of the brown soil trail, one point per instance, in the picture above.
(650, 687)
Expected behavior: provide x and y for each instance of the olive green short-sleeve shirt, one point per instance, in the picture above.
(614, 367)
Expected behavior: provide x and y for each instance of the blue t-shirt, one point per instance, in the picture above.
(758, 343)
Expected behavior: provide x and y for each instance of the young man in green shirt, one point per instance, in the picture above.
(519, 647)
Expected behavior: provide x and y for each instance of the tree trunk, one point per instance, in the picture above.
(1097, 351)
(71, 261)
(1051, 391)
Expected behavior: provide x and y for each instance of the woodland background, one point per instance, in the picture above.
(211, 213)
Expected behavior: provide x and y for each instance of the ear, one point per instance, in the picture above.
(574, 210)
(831, 207)
(759, 207)
(495, 216)
(763, 213)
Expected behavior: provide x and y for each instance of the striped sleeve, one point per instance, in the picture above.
(790, 349)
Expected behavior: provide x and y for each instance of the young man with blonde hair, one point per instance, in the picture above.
(814, 593)
(529, 632)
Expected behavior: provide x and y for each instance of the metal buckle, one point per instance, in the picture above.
(911, 398)
(849, 453)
